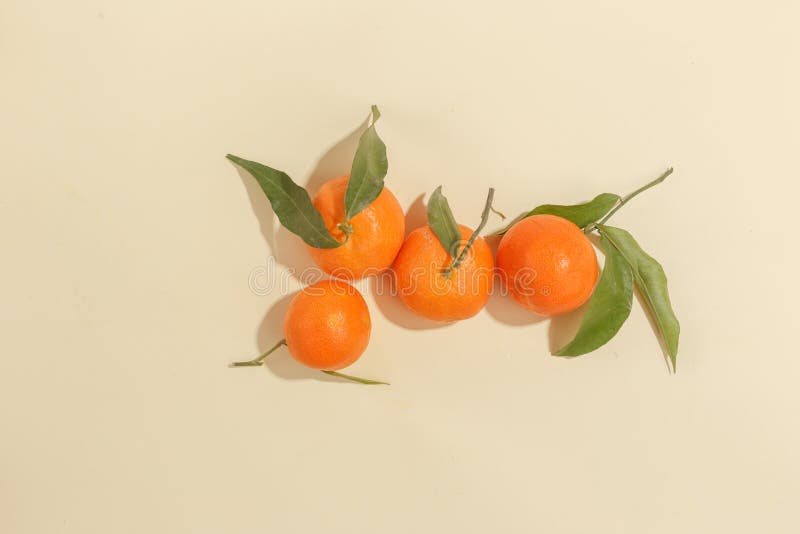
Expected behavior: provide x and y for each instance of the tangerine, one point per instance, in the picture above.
(375, 237)
(327, 325)
(426, 289)
(547, 264)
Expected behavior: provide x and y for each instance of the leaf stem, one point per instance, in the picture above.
(497, 212)
(474, 236)
(356, 378)
(624, 200)
(255, 362)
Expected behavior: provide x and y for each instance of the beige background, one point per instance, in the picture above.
(128, 241)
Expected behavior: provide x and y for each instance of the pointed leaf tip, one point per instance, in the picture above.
(290, 202)
(652, 283)
(443, 223)
(368, 171)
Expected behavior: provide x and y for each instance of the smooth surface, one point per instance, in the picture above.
(130, 248)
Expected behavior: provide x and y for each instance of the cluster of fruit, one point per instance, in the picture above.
(444, 271)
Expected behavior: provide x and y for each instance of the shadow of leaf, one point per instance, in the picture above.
(260, 205)
(336, 161)
(564, 327)
(654, 326)
(416, 215)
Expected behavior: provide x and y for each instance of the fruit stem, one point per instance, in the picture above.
(260, 360)
(356, 378)
(474, 236)
(624, 200)
(347, 228)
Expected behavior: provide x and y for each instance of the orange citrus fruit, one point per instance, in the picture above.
(327, 325)
(421, 282)
(547, 264)
(377, 234)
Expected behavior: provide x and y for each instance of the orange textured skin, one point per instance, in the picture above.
(378, 232)
(547, 264)
(425, 291)
(327, 325)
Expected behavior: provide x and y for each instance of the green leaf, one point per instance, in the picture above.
(368, 170)
(291, 204)
(609, 306)
(442, 222)
(652, 283)
(580, 214)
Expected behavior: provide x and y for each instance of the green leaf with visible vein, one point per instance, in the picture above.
(291, 204)
(368, 171)
(580, 214)
(442, 222)
(652, 283)
(609, 306)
